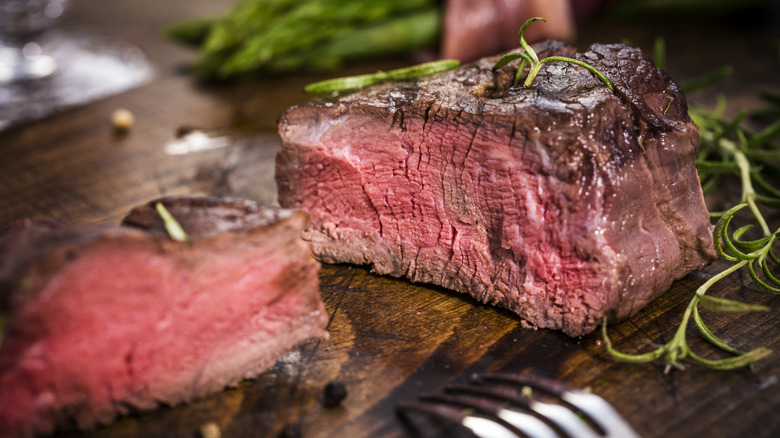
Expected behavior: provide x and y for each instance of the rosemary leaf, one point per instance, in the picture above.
(524, 44)
(171, 224)
(347, 83)
(765, 135)
(707, 79)
(762, 184)
(764, 156)
(767, 273)
(747, 246)
(350, 83)
(740, 361)
(763, 284)
(632, 358)
(768, 201)
(721, 236)
(709, 336)
(709, 184)
(422, 70)
(708, 167)
(723, 305)
(507, 58)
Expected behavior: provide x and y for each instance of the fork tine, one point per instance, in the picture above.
(498, 405)
(523, 423)
(602, 413)
(479, 426)
(559, 416)
(549, 386)
(598, 410)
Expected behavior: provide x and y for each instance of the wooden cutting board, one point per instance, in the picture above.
(390, 340)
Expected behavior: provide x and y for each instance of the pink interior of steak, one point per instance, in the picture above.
(460, 208)
(128, 324)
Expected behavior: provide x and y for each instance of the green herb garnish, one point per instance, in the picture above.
(742, 252)
(172, 226)
(280, 36)
(529, 56)
(728, 148)
(401, 74)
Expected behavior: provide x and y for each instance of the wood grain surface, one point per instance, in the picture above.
(391, 340)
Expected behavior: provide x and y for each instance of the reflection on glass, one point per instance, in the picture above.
(23, 29)
(45, 70)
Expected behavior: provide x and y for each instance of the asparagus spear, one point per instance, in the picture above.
(285, 35)
(387, 38)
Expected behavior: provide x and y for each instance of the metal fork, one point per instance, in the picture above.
(498, 405)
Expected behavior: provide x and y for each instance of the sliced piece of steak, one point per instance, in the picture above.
(564, 202)
(102, 320)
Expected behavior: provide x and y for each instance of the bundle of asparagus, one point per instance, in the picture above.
(279, 36)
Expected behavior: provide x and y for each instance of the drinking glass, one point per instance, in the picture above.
(24, 28)
(45, 69)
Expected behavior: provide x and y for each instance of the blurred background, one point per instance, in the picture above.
(251, 40)
(221, 41)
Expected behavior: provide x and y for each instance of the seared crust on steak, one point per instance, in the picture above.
(564, 202)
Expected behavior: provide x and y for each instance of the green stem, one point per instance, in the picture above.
(746, 359)
(520, 70)
(709, 336)
(632, 358)
(677, 349)
(524, 44)
(349, 83)
(532, 74)
(748, 192)
(705, 287)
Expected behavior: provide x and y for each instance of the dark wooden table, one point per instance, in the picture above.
(390, 340)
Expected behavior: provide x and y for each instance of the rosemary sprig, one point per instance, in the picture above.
(349, 83)
(529, 56)
(741, 252)
(728, 148)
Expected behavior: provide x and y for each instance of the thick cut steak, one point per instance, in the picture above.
(102, 320)
(564, 202)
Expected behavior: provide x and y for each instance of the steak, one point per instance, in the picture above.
(564, 202)
(106, 320)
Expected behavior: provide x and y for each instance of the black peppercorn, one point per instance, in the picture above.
(335, 392)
